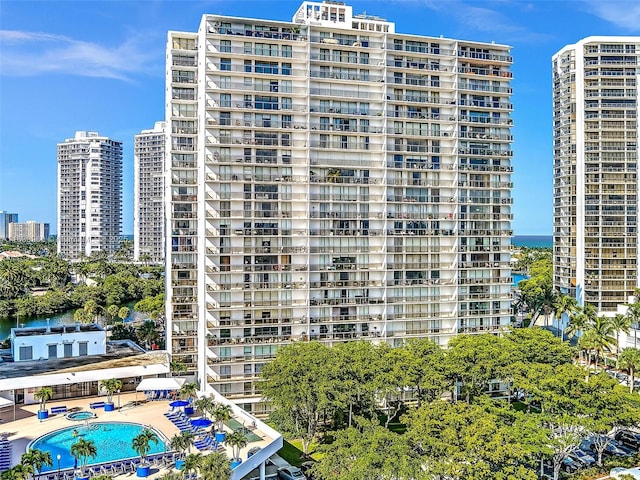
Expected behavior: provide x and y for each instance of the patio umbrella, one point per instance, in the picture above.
(178, 403)
(201, 422)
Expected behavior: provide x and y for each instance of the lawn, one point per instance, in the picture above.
(292, 452)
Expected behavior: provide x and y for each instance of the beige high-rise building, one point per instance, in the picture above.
(89, 195)
(331, 179)
(148, 208)
(595, 126)
(29, 231)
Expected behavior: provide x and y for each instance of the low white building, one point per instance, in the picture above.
(57, 341)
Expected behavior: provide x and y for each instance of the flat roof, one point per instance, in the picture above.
(56, 329)
(120, 353)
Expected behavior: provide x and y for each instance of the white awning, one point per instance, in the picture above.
(152, 384)
(5, 402)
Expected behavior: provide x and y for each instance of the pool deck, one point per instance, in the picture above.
(27, 427)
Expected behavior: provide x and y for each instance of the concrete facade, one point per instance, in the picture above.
(331, 179)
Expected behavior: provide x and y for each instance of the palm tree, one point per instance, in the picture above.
(112, 312)
(111, 386)
(544, 304)
(37, 459)
(148, 333)
(578, 321)
(620, 323)
(587, 343)
(564, 304)
(82, 450)
(602, 331)
(81, 316)
(237, 441)
(19, 472)
(633, 312)
(177, 367)
(215, 466)
(141, 443)
(44, 394)
(221, 414)
(123, 313)
(191, 464)
(206, 405)
(189, 390)
(629, 359)
(181, 442)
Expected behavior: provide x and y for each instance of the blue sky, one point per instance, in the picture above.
(99, 65)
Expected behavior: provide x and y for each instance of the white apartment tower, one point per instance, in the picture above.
(148, 198)
(89, 195)
(330, 179)
(595, 170)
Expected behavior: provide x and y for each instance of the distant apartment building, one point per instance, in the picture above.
(5, 219)
(595, 170)
(89, 195)
(330, 179)
(148, 215)
(29, 231)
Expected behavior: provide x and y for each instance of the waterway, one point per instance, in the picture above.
(6, 324)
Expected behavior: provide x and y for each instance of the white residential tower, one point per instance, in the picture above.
(330, 179)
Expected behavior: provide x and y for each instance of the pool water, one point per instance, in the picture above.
(77, 416)
(112, 440)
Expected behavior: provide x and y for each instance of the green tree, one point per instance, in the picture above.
(189, 390)
(36, 459)
(237, 440)
(82, 450)
(476, 360)
(182, 442)
(564, 305)
(215, 466)
(424, 369)
(602, 335)
(44, 395)
(468, 441)
(19, 472)
(192, 464)
(124, 313)
(141, 443)
(620, 323)
(367, 451)
(111, 386)
(177, 368)
(221, 413)
(112, 312)
(81, 316)
(297, 384)
(633, 312)
(629, 360)
(147, 333)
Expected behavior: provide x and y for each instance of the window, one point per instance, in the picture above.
(53, 351)
(26, 353)
(225, 64)
(83, 348)
(68, 350)
(225, 46)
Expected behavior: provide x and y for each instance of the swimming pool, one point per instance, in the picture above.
(78, 416)
(112, 439)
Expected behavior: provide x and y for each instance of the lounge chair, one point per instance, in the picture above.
(94, 405)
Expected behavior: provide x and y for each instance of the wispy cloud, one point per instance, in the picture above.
(485, 20)
(35, 53)
(622, 13)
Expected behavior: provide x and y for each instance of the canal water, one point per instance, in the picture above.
(6, 324)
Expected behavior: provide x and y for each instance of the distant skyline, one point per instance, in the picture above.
(99, 66)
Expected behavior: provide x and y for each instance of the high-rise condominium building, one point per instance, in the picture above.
(29, 231)
(595, 170)
(5, 219)
(89, 195)
(331, 179)
(148, 214)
